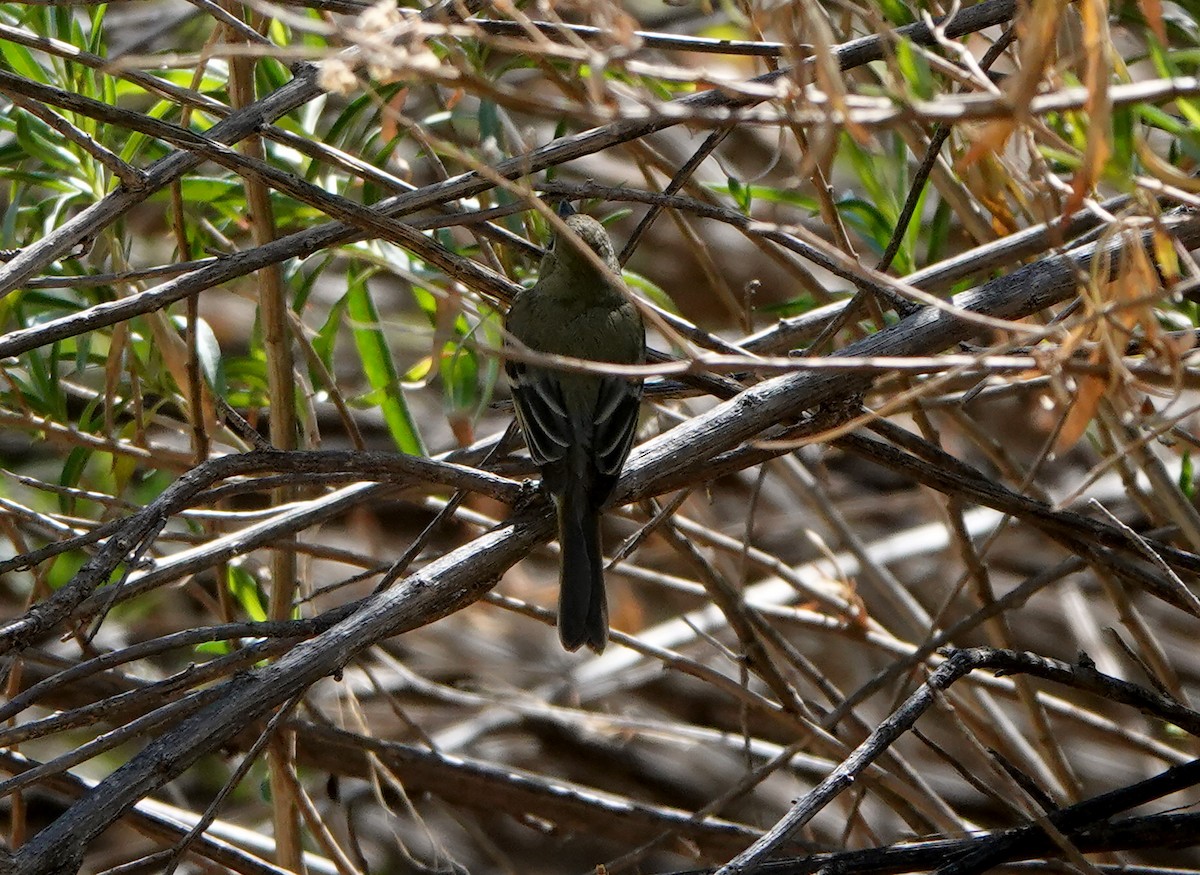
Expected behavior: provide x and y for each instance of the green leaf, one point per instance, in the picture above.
(616, 216)
(95, 38)
(208, 352)
(244, 589)
(794, 307)
(21, 61)
(325, 339)
(65, 567)
(915, 69)
(743, 195)
(1060, 159)
(489, 121)
(271, 74)
(772, 195)
(214, 648)
(426, 302)
(379, 368)
(874, 172)
(246, 380)
(489, 328)
(72, 473)
(896, 12)
(460, 377)
(1187, 476)
(210, 190)
(650, 289)
(868, 219)
(1120, 163)
(43, 143)
(905, 260)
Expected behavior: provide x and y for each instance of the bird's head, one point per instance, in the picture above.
(586, 230)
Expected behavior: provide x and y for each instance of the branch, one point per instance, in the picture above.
(1159, 831)
(958, 665)
(141, 528)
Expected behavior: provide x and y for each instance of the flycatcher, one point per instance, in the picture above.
(579, 426)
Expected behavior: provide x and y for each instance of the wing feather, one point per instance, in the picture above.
(615, 424)
(542, 414)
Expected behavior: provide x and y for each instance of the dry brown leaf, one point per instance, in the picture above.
(387, 120)
(1089, 389)
(1153, 12)
(1121, 305)
(1098, 107)
(989, 139)
(1164, 170)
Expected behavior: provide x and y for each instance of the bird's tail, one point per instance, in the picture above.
(582, 607)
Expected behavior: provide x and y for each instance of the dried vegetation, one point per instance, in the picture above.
(905, 564)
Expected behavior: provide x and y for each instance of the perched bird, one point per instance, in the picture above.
(579, 426)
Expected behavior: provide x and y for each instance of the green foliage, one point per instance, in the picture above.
(378, 364)
(245, 591)
(915, 69)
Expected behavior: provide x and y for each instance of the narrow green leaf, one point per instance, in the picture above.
(915, 69)
(324, 341)
(65, 567)
(379, 368)
(867, 219)
(244, 589)
(650, 289)
(21, 61)
(794, 307)
(897, 13)
(95, 39)
(213, 648)
(72, 473)
(1120, 163)
(743, 195)
(208, 351)
(460, 378)
(489, 121)
(872, 170)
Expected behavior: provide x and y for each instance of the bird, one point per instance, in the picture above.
(579, 427)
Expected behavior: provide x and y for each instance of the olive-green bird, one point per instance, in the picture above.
(579, 426)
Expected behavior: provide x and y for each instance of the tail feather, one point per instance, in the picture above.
(582, 607)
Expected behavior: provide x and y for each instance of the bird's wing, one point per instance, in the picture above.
(615, 423)
(541, 412)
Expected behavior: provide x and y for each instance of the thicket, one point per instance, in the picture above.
(904, 564)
